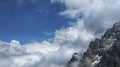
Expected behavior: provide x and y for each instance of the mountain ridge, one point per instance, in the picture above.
(103, 52)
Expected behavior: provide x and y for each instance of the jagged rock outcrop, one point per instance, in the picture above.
(104, 52)
(74, 62)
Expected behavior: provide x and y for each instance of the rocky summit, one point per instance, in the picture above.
(104, 52)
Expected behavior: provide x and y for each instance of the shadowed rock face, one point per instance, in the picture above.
(104, 52)
(74, 62)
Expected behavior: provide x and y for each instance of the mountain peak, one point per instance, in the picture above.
(117, 26)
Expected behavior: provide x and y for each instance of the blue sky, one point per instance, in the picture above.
(30, 20)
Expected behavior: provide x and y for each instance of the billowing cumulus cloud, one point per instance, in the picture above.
(14, 55)
(92, 18)
(97, 14)
(75, 36)
(43, 54)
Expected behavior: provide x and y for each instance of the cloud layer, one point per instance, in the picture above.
(97, 14)
(43, 54)
(92, 18)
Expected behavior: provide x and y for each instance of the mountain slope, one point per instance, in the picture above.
(104, 52)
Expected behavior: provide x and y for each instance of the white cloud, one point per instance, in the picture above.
(66, 42)
(44, 47)
(97, 14)
(70, 13)
(15, 43)
(14, 55)
(26, 60)
(33, 54)
(74, 36)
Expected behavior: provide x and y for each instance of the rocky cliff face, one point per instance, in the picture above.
(104, 52)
